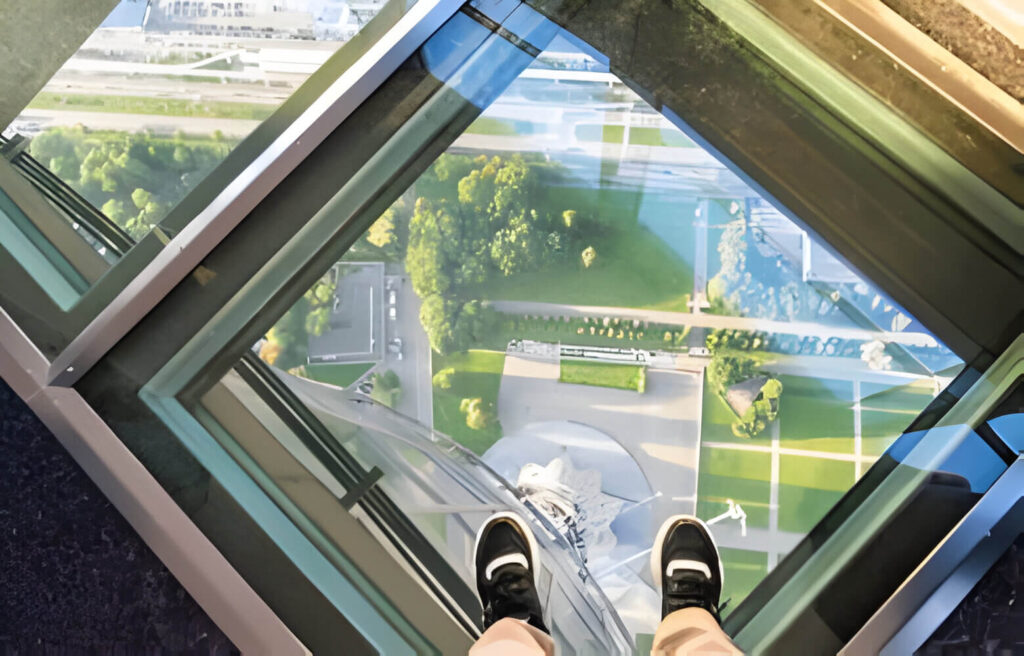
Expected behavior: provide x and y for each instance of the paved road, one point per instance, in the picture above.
(414, 367)
(852, 369)
(799, 328)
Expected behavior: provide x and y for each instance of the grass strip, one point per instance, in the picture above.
(154, 106)
(603, 374)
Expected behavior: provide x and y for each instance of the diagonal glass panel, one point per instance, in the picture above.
(584, 297)
(579, 310)
(156, 99)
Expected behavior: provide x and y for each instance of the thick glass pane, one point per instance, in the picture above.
(162, 92)
(986, 617)
(448, 493)
(590, 301)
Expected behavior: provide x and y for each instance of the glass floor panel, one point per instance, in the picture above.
(620, 325)
(192, 78)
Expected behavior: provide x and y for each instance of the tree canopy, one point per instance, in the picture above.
(134, 178)
(463, 231)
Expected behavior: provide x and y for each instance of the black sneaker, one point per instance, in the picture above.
(505, 566)
(686, 566)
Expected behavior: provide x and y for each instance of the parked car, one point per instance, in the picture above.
(395, 347)
(700, 351)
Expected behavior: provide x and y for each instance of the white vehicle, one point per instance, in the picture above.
(395, 347)
(392, 313)
(392, 297)
(700, 351)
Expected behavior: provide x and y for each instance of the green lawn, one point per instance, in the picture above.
(742, 476)
(880, 428)
(886, 413)
(611, 206)
(341, 375)
(808, 488)
(602, 374)
(606, 133)
(493, 126)
(640, 136)
(816, 414)
(659, 137)
(148, 105)
(633, 268)
(743, 570)
(477, 374)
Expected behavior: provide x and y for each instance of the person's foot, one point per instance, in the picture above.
(505, 568)
(686, 566)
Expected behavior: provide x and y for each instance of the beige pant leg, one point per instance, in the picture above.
(511, 637)
(692, 632)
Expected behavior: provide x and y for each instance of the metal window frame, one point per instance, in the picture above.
(796, 595)
(928, 595)
(190, 556)
(87, 349)
(170, 394)
(186, 250)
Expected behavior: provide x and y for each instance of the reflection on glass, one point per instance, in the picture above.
(162, 91)
(448, 494)
(611, 319)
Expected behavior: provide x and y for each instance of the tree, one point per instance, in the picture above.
(140, 198)
(515, 248)
(452, 167)
(749, 425)
(772, 389)
(589, 255)
(478, 416)
(553, 243)
(322, 292)
(382, 232)
(270, 350)
(318, 321)
(732, 250)
(727, 370)
(425, 259)
(111, 166)
(388, 379)
(437, 314)
(387, 388)
(762, 412)
(114, 210)
(289, 337)
(473, 270)
(443, 378)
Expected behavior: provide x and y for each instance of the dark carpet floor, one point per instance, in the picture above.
(75, 578)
